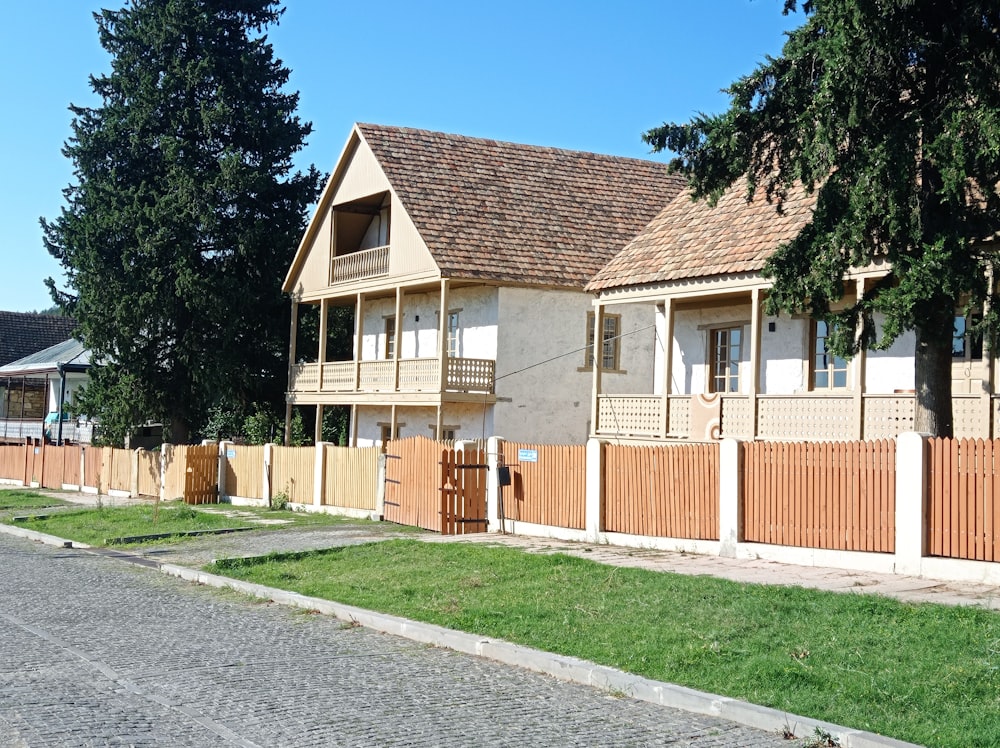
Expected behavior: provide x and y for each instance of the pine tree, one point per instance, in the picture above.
(184, 213)
(890, 112)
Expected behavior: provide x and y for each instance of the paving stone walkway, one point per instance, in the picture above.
(97, 652)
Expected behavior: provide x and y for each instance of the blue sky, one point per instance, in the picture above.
(583, 75)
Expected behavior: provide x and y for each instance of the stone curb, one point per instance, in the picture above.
(565, 668)
(570, 669)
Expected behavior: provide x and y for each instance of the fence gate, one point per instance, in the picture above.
(201, 476)
(463, 491)
(438, 489)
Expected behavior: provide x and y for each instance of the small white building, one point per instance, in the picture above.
(464, 263)
(723, 367)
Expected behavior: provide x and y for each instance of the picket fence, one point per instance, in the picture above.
(868, 505)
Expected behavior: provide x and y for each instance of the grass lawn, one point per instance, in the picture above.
(97, 525)
(19, 498)
(924, 673)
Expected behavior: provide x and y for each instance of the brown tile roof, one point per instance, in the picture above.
(691, 239)
(24, 333)
(518, 213)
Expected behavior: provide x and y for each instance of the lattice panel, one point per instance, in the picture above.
(338, 376)
(887, 416)
(471, 374)
(634, 415)
(969, 418)
(737, 417)
(303, 377)
(803, 417)
(420, 374)
(679, 416)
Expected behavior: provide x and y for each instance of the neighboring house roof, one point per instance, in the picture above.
(693, 239)
(24, 333)
(69, 354)
(518, 213)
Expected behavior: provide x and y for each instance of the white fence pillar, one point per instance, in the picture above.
(223, 467)
(319, 473)
(730, 497)
(380, 487)
(594, 503)
(493, 489)
(133, 479)
(266, 473)
(911, 503)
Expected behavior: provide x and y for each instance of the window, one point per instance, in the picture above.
(390, 337)
(611, 348)
(725, 346)
(828, 371)
(386, 431)
(452, 334)
(967, 345)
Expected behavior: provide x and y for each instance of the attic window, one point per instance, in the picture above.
(359, 245)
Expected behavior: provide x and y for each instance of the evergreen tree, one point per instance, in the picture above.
(184, 214)
(890, 112)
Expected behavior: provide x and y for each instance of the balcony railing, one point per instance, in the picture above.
(368, 263)
(806, 417)
(392, 375)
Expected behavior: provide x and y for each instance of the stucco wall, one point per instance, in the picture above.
(467, 419)
(785, 353)
(543, 387)
(477, 337)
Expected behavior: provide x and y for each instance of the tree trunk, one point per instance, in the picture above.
(932, 405)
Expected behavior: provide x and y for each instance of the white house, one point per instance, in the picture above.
(464, 263)
(723, 367)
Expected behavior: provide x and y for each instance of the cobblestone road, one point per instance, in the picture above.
(94, 651)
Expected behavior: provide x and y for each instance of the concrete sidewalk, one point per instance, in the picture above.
(754, 571)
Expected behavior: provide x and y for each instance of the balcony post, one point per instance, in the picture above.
(597, 354)
(443, 341)
(293, 333)
(988, 365)
(324, 309)
(858, 366)
(755, 302)
(398, 335)
(359, 311)
(668, 363)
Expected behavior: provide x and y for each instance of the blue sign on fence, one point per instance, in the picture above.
(527, 455)
(230, 454)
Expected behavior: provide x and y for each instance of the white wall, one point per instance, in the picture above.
(470, 421)
(893, 368)
(544, 386)
(477, 324)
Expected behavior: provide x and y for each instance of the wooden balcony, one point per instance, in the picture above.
(368, 263)
(805, 417)
(467, 375)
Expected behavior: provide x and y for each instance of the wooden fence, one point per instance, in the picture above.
(148, 483)
(835, 495)
(963, 498)
(547, 489)
(244, 471)
(412, 482)
(350, 477)
(292, 472)
(668, 491)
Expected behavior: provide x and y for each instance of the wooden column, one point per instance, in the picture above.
(359, 311)
(293, 333)
(859, 365)
(988, 368)
(439, 426)
(755, 302)
(393, 423)
(318, 429)
(354, 425)
(324, 308)
(442, 351)
(397, 349)
(668, 353)
(597, 351)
